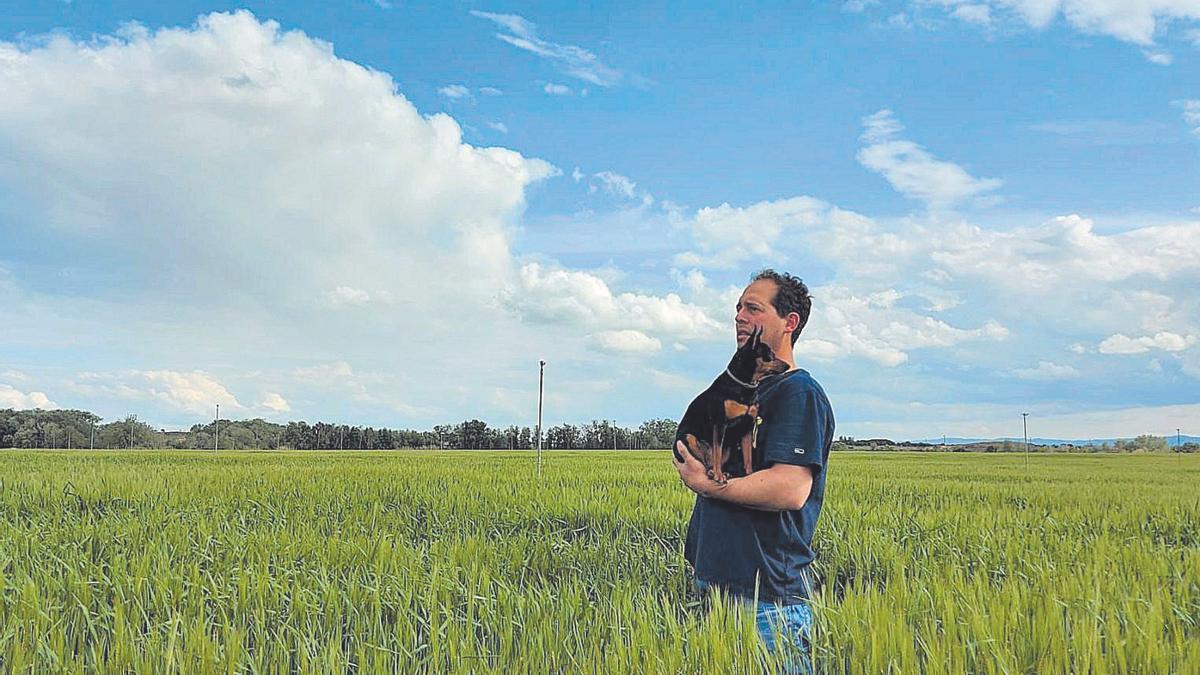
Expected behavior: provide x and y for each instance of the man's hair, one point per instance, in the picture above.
(791, 295)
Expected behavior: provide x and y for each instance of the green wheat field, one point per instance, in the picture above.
(469, 562)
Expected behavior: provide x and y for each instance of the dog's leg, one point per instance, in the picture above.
(696, 448)
(718, 456)
(749, 440)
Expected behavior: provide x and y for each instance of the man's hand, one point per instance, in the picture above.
(694, 475)
(779, 487)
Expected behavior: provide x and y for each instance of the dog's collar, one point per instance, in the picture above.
(733, 377)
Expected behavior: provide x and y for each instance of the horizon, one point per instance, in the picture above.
(387, 215)
(1173, 440)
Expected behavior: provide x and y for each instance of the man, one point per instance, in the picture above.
(752, 536)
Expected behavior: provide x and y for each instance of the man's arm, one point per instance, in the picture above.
(779, 487)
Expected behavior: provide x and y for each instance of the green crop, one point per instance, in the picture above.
(469, 562)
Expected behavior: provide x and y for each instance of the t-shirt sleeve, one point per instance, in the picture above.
(796, 429)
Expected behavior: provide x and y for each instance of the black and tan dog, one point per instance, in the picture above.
(717, 427)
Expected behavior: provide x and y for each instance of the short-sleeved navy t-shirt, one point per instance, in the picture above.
(739, 548)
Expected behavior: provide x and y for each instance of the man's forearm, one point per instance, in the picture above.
(780, 487)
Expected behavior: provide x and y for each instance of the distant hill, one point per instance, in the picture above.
(1171, 440)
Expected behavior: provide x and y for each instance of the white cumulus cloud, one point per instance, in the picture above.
(932, 281)
(625, 342)
(455, 91)
(1066, 250)
(195, 392)
(348, 295)
(617, 185)
(1133, 21)
(817, 348)
(726, 236)
(233, 136)
(1047, 370)
(1165, 341)
(10, 397)
(560, 296)
(275, 402)
(1060, 273)
(231, 173)
(874, 327)
(1191, 114)
(614, 183)
(974, 13)
(858, 6)
(1161, 58)
(910, 168)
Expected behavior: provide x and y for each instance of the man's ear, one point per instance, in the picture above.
(791, 323)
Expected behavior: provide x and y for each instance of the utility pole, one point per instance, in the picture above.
(92, 437)
(217, 430)
(1025, 429)
(541, 381)
(132, 420)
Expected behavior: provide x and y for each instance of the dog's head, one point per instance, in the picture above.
(755, 360)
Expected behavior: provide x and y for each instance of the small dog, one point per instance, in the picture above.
(727, 412)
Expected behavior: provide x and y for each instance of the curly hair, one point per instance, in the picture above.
(791, 295)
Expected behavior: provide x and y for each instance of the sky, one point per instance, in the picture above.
(387, 213)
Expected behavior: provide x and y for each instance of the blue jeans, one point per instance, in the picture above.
(786, 631)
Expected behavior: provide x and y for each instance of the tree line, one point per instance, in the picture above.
(82, 429)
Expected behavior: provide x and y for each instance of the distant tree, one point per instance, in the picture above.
(658, 433)
(8, 428)
(129, 432)
(563, 437)
(1148, 443)
(447, 436)
(42, 428)
(473, 434)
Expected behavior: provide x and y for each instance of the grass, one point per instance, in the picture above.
(469, 562)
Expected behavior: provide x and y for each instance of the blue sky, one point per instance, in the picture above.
(386, 213)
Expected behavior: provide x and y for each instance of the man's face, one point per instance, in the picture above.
(754, 310)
